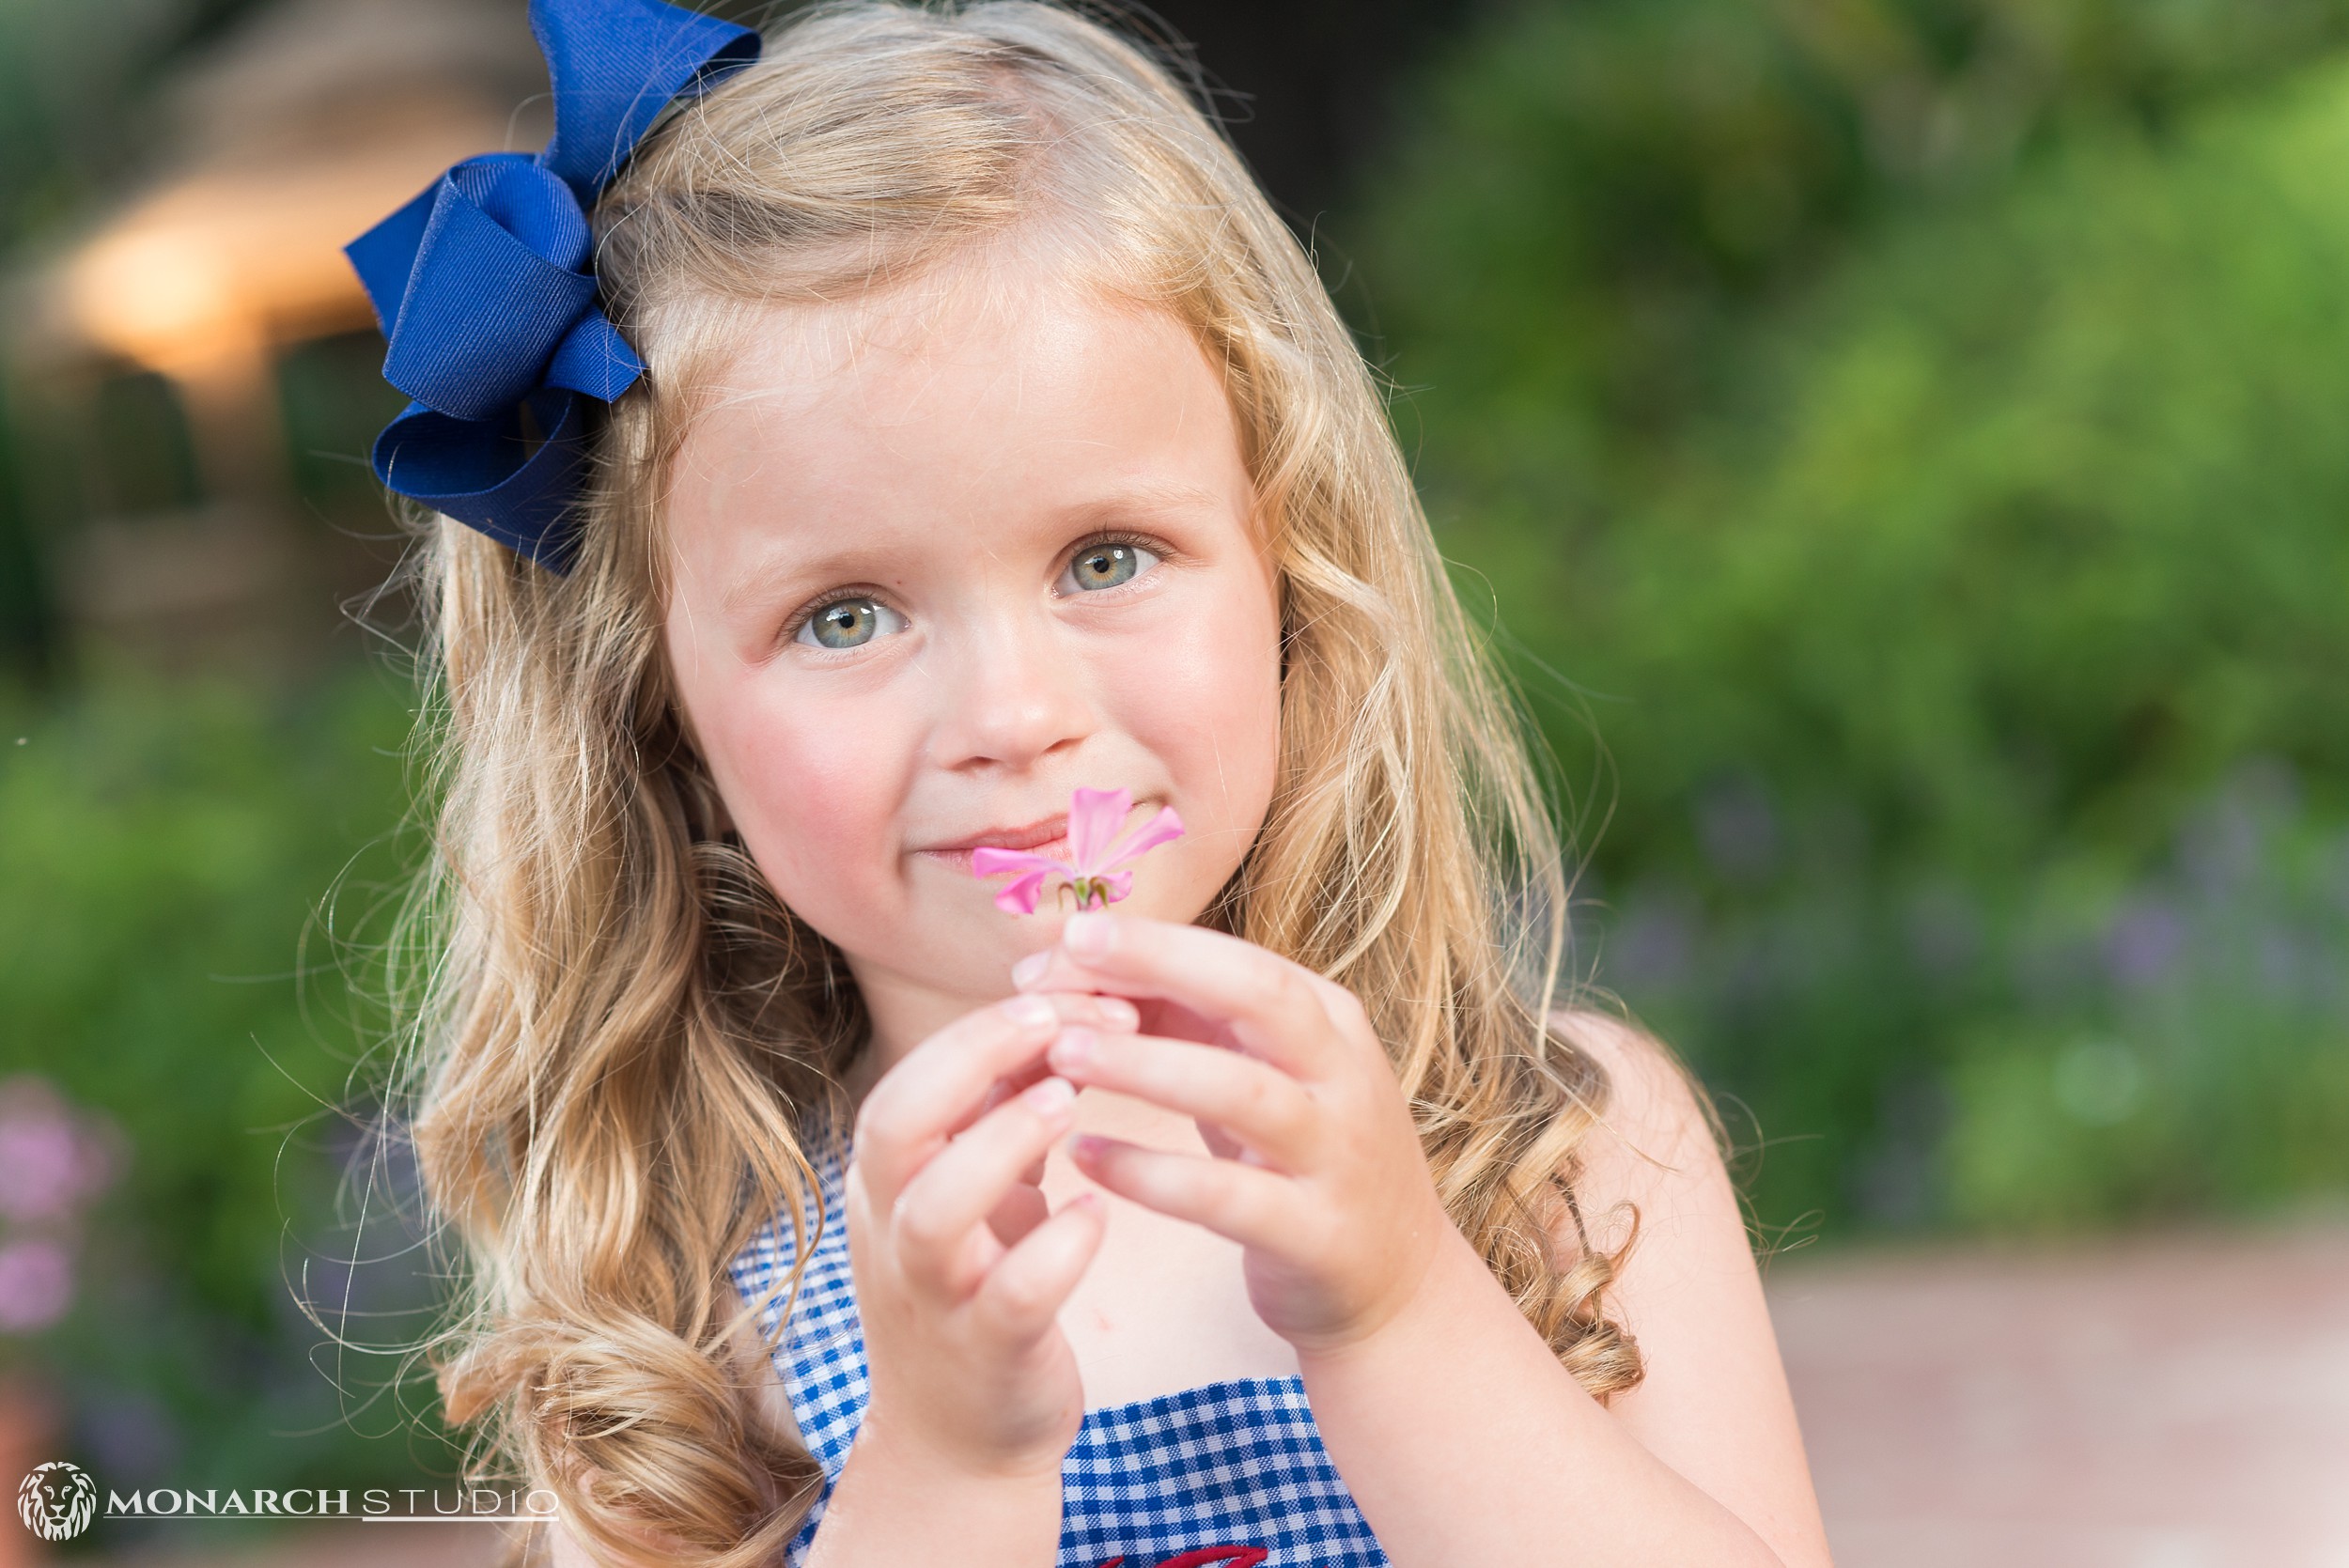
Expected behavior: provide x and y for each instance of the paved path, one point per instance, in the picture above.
(2180, 1401)
(2172, 1402)
(339, 1547)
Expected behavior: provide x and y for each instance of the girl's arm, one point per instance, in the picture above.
(1714, 1404)
(1466, 1442)
(1460, 1435)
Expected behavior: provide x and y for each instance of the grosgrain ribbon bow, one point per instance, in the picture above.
(482, 282)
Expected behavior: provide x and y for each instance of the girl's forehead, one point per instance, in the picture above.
(995, 316)
(961, 393)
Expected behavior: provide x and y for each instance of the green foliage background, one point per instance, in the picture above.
(192, 878)
(1904, 447)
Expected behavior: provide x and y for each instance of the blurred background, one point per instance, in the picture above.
(1900, 447)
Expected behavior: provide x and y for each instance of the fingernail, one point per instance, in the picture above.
(1051, 1095)
(1119, 1013)
(1088, 936)
(1031, 1012)
(1074, 1045)
(1029, 969)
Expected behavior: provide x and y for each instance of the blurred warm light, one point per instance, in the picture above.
(157, 296)
(223, 263)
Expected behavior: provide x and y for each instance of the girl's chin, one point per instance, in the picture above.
(954, 944)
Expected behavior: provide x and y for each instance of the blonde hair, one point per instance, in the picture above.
(621, 1027)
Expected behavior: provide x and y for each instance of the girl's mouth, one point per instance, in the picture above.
(1048, 837)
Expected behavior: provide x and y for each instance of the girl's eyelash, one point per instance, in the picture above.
(815, 607)
(1118, 537)
(1123, 536)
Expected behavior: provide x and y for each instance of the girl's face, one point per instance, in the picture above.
(941, 556)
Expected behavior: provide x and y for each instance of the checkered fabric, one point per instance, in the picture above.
(1236, 1463)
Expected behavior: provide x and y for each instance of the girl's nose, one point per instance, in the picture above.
(1011, 694)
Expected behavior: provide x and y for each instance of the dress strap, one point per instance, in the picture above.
(1226, 1475)
(821, 1359)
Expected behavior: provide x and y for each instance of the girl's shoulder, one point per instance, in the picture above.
(1655, 1112)
(1651, 1183)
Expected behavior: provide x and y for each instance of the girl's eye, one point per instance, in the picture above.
(1106, 566)
(850, 623)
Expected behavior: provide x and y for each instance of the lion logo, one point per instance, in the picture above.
(57, 1500)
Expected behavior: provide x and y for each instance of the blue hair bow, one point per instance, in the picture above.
(482, 282)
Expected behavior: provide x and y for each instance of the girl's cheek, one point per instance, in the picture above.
(1203, 694)
(824, 787)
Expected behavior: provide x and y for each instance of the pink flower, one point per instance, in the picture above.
(1094, 854)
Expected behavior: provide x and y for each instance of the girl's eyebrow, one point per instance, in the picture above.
(780, 571)
(1144, 495)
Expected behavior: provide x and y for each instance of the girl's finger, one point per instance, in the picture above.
(943, 1203)
(1025, 1076)
(1219, 1144)
(1274, 1008)
(1265, 1110)
(938, 1089)
(917, 1106)
(1001, 1089)
(1245, 1203)
(1022, 1210)
(1026, 1289)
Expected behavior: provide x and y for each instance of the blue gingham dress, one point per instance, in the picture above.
(1235, 1464)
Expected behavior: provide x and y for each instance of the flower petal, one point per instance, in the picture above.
(990, 860)
(1114, 885)
(1093, 817)
(1019, 898)
(1161, 829)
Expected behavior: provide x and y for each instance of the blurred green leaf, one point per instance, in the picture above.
(1954, 548)
(191, 874)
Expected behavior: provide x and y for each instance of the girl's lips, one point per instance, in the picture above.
(1049, 838)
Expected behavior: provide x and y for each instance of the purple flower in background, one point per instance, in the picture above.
(1737, 829)
(1095, 854)
(50, 1163)
(1657, 942)
(2143, 942)
(35, 1283)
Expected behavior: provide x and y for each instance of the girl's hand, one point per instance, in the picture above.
(970, 1372)
(1319, 1175)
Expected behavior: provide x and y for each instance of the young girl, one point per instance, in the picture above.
(994, 440)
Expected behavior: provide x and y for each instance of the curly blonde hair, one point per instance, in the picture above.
(618, 1028)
